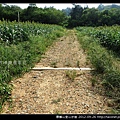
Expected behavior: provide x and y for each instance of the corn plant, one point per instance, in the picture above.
(21, 46)
(13, 32)
(109, 36)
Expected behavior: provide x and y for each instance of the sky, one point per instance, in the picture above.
(59, 6)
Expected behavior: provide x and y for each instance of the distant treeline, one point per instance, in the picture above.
(69, 17)
(32, 13)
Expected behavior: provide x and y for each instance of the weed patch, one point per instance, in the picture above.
(71, 75)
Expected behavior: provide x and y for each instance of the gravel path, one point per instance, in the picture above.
(53, 91)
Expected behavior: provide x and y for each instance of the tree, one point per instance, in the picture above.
(76, 14)
(90, 17)
(28, 13)
(10, 12)
(104, 17)
(1, 11)
(53, 16)
(114, 14)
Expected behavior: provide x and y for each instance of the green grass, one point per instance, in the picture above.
(78, 64)
(56, 101)
(58, 112)
(71, 75)
(104, 63)
(54, 64)
(94, 81)
(17, 59)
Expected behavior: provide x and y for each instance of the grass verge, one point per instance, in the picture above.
(103, 61)
(20, 58)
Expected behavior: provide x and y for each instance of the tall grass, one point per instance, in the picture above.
(103, 62)
(18, 55)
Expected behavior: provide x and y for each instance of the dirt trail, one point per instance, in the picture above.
(51, 91)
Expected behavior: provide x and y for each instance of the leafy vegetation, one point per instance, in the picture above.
(109, 37)
(19, 54)
(23, 43)
(69, 17)
(104, 62)
(80, 16)
(71, 75)
(14, 32)
(33, 13)
(54, 64)
(56, 101)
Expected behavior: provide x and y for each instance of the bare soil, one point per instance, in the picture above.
(53, 91)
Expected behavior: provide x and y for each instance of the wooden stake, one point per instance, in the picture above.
(18, 17)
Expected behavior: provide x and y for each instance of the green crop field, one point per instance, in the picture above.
(26, 35)
(102, 45)
(23, 43)
(109, 36)
(21, 46)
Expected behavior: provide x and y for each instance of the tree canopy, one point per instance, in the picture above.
(69, 17)
(33, 13)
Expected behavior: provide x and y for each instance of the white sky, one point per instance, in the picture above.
(59, 6)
